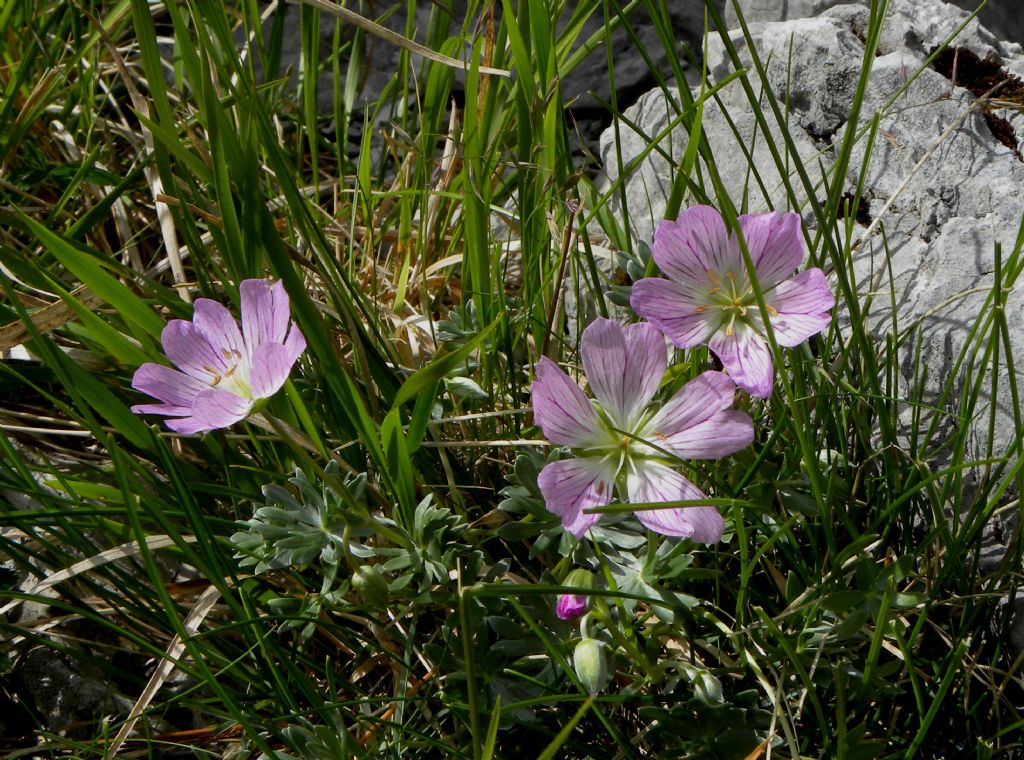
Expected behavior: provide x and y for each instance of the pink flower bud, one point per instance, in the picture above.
(570, 606)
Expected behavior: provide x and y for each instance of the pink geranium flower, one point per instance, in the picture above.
(624, 366)
(708, 299)
(222, 372)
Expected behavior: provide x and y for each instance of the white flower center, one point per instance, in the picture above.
(234, 378)
(733, 296)
(620, 450)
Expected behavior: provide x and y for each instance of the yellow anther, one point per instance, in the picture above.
(772, 310)
(728, 327)
(714, 290)
(730, 276)
(701, 309)
(715, 279)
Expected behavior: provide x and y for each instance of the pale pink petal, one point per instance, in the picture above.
(722, 434)
(168, 385)
(747, 358)
(217, 325)
(169, 410)
(672, 308)
(624, 367)
(775, 245)
(571, 485)
(295, 343)
(561, 409)
(696, 401)
(191, 352)
(271, 364)
(676, 256)
(698, 421)
(696, 243)
(653, 482)
(264, 312)
(793, 329)
(187, 425)
(213, 409)
(802, 304)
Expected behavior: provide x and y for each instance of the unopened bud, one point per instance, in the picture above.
(570, 606)
(372, 586)
(589, 662)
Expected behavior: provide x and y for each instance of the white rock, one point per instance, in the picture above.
(1001, 16)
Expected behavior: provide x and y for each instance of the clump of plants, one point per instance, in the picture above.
(305, 453)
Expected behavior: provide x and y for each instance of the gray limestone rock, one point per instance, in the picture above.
(62, 695)
(1002, 17)
(942, 220)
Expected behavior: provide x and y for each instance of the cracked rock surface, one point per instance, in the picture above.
(943, 185)
(1002, 17)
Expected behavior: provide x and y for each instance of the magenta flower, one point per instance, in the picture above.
(570, 606)
(222, 371)
(709, 299)
(623, 443)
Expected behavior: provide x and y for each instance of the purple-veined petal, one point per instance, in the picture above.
(722, 434)
(571, 485)
(671, 308)
(696, 243)
(802, 304)
(189, 350)
(295, 343)
(624, 367)
(264, 312)
(561, 409)
(271, 364)
(168, 385)
(187, 425)
(793, 329)
(747, 358)
(213, 409)
(652, 482)
(697, 401)
(220, 329)
(170, 410)
(775, 244)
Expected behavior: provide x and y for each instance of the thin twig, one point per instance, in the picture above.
(394, 37)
